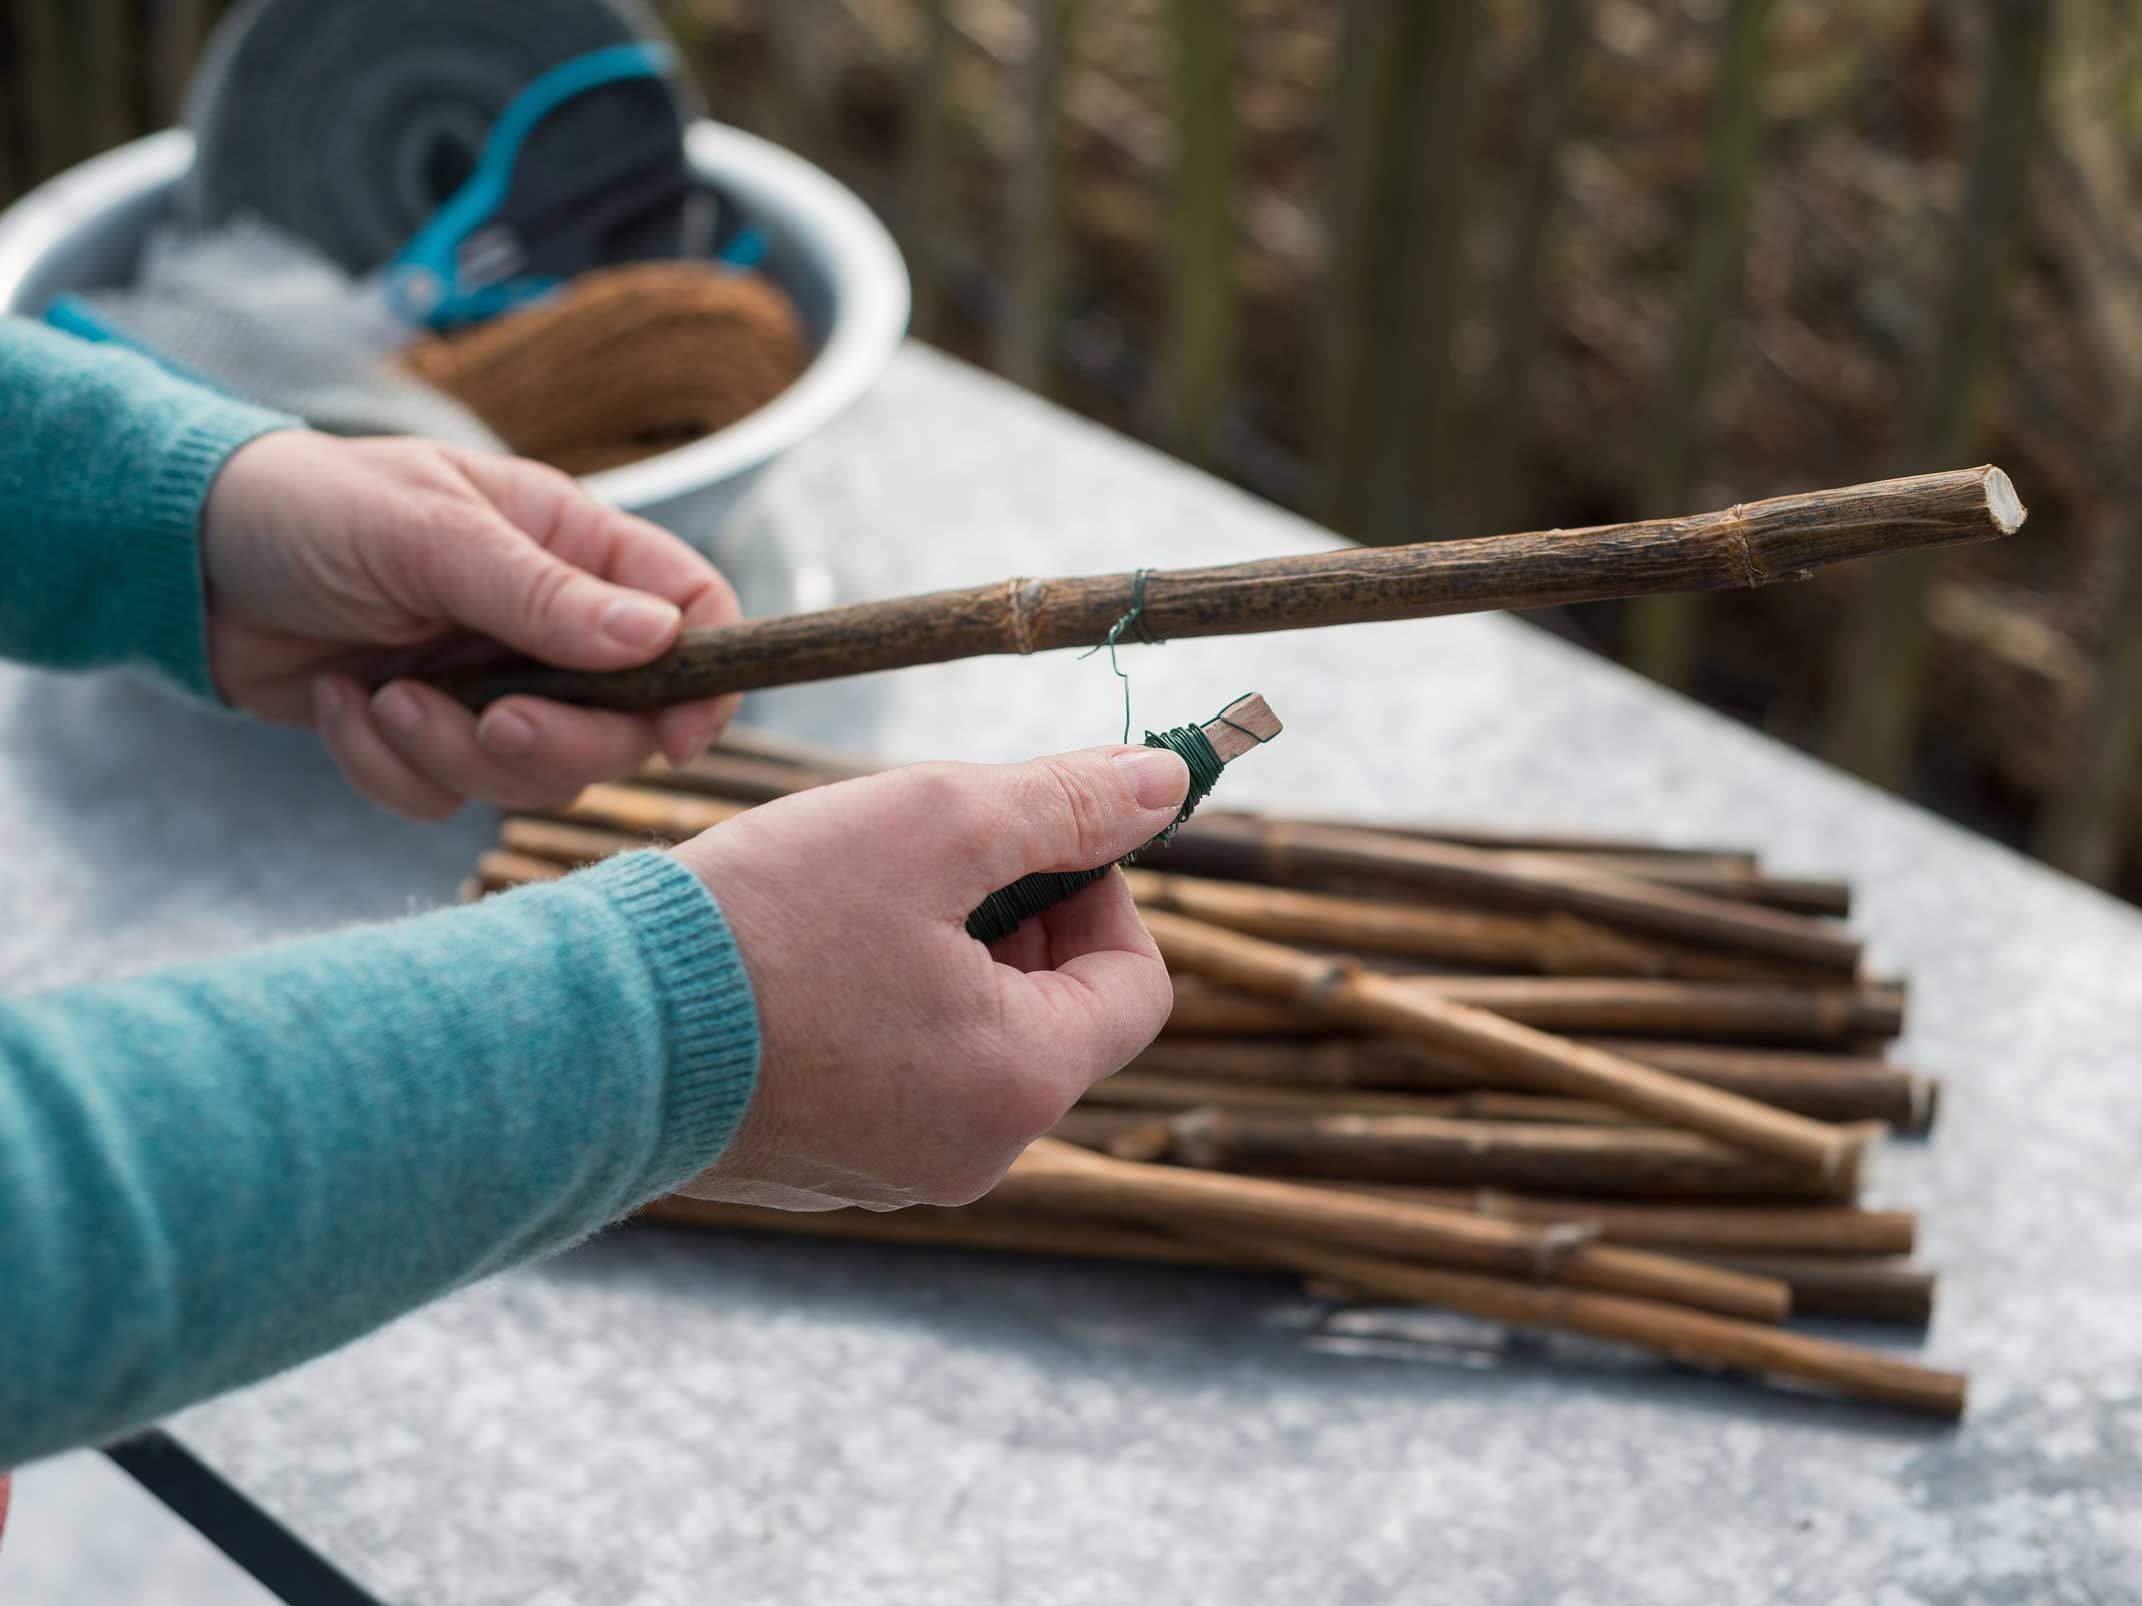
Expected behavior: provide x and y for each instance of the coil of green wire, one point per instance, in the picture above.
(1002, 911)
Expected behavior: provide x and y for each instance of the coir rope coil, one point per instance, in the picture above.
(623, 363)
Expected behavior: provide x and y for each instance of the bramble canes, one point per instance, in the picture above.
(1836, 1285)
(603, 820)
(1529, 1059)
(1725, 1012)
(1831, 1231)
(1696, 1337)
(967, 1228)
(1656, 1325)
(1284, 853)
(1828, 1087)
(1056, 1178)
(1725, 873)
(1640, 1162)
(1753, 544)
(1554, 942)
(1131, 1089)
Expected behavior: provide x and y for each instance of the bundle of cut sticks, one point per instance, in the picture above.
(1561, 1083)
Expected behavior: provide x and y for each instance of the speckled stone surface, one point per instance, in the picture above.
(665, 1417)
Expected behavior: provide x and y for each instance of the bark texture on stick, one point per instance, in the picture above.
(963, 1228)
(1691, 1336)
(1688, 1334)
(1752, 544)
(1054, 1177)
(1841, 1285)
(1829, 1087)
(1286, 853)
(1806, 1230)
(1529, 1058)
(1538, 1157)
(1717, 1012)
(1554, 942)
(1128, 1089)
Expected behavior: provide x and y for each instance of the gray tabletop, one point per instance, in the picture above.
(663, 1416)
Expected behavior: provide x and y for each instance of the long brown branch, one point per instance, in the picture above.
(1751, 544)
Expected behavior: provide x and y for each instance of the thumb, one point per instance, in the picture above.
(1074, 811)
(498, 582)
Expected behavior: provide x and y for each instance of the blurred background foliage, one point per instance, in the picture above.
(1426, 270)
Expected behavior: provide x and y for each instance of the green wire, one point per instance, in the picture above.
(1003, 910)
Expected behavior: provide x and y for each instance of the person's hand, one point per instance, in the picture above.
(333, 563)
(903, 1062)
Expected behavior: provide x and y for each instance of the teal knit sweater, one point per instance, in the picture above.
(213, 1172)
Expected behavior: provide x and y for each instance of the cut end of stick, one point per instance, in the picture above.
(1245, 723)
(1846, 1163)
(2003, 506)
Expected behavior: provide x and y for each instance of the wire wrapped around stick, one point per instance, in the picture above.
(1246, 722)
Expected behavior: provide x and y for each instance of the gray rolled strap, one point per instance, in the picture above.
(348, 122)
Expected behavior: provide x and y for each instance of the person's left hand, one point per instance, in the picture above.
(333, 563)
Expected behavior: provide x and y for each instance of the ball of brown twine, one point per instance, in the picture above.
(624, 363)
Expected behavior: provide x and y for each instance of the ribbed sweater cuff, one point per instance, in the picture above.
(710, 1018)
(166, 590)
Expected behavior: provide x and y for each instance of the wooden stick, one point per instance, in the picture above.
(1719, 872)
(1803, 895)
(1124, 1134)
(1531, 1059)
(1752, 544)
(1827, 1087)
(1868, 1290)
(1693, 1337)
(753, 765)
(1128, 1088)
(645, 813)
(1556, 943)
(1059, 1179)
(1728, 1011)
(736, 777)
(1562, 844)
(828, 763)
(1628, 1161)
(1246, 848)
(1802, 1230)
(1838, 1285)
(497, 870)
(1756, 1012)
(1718, 1012)
(559, 842)
(745, 775)
(965, 1228)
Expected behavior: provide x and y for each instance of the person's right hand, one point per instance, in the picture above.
(903, 1062)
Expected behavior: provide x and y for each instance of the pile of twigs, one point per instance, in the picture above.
(1585, 1085)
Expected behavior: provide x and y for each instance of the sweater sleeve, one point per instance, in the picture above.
(105, 462)
(214, 1172)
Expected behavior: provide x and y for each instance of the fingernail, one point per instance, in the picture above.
(398, 710)
(640, 622)
(505, 734)
(1157, 780)
(326, 701)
